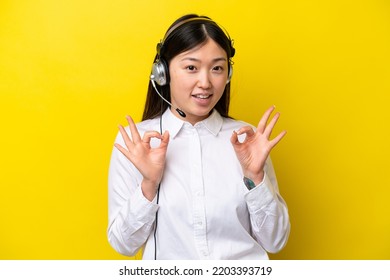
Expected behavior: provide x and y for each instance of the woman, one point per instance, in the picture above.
(204, 188)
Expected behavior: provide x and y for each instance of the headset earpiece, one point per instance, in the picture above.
(160, 73)
(230, 73)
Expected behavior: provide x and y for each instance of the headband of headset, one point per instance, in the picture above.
(204, 19)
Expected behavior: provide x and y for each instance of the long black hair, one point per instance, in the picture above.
(180, 38)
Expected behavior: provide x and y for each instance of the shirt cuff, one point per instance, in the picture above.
(260, 196)
(142, 208)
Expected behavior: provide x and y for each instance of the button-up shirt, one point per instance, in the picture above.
(204, 210)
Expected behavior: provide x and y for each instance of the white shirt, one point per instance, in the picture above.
(205, 211)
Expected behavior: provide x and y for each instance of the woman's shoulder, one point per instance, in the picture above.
(149, 124)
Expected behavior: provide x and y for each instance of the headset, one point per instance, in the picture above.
(160, 70)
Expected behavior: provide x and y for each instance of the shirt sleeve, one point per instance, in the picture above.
(268, 213)
(130, 215)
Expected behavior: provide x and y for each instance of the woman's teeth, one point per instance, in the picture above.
(202, 96)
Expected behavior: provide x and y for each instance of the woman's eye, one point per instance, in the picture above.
(218, 68)
(191, 67)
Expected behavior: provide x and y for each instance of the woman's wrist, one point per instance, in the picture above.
(149, 189)
(255, 178)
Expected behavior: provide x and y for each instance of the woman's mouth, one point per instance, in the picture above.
(202, 96)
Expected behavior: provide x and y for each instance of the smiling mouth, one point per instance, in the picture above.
(202, 96)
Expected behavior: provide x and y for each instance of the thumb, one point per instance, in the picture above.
(164, 139)
(234, 138)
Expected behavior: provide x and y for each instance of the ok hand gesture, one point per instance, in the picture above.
(150, 162)
(253, 152)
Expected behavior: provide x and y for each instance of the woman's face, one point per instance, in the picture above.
(197, 80)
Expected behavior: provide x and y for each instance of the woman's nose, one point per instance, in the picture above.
(204, 79)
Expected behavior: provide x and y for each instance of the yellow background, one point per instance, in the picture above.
(71, 70)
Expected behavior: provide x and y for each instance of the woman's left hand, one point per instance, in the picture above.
(253, 152)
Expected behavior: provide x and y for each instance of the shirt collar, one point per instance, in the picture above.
(172, 123)
(213, 123)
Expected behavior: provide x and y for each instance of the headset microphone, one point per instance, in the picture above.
(180, 112)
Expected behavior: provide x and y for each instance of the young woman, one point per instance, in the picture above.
(189, 182)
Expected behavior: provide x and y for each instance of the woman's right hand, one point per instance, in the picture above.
(150, 162)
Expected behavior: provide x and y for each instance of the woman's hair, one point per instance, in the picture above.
(194, 31)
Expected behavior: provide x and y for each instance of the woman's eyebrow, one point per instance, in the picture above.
(199, 60)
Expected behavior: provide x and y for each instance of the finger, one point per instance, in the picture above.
(121, 149)
(133, 130)
(263, 122)
(271, 125)
(164, 140)
(149, 135)
(125, 137)
(277, 139)
(246, 129)
(234, 139)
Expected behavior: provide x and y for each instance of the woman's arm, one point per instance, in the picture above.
(268, 212)
(135, 172)
(131, 215)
